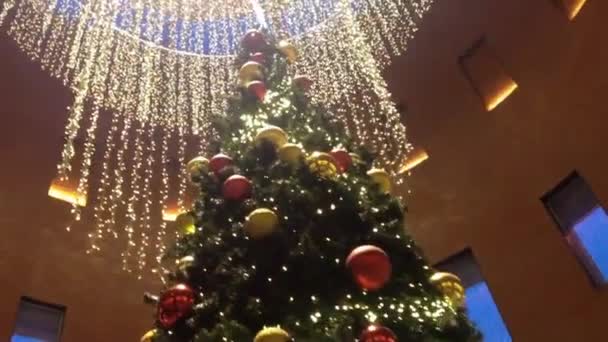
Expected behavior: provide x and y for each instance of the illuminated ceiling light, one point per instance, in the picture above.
(415, 158)
(572, 7)
(487, 76)
(170, 214)
(503, 91)
(162, 69)
(64, 191)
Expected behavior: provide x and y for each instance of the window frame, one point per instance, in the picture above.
(34, 301)
(580, 251)
(464, 253)
(487, 101)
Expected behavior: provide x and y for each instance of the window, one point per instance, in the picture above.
(583, 222)
(486, 74)
(38, 322)
(480, 305)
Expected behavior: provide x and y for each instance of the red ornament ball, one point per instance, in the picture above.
(218, 162)
(257, 88)
(377, 333)
(253, 40)
(174, 304)
(370, 266)
(236, 187)
(343, 158)
(302, 82)
(258, 57)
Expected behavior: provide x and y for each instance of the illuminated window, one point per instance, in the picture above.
(486, 74)
(480, 305)
(571, 7)
(583, 222)
(416, 157)
(38, 322)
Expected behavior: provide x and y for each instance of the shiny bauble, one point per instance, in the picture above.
(322, 164)
(174, 304)
(451, 286)
(251, 71)
(236, 188)
(253, 40)
(272, 334)
(302, 82)
(185, 223)
(149, 336)
(261, 223)
(291, 154)
(218, 162)
(288, 50)
(197, 167)
(370, 267)
(258, 89)
(342, 158)
(274, 134)
(382, 178)
(377, 333)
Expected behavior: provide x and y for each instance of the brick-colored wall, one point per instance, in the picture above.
(38, 258)
(482, 185)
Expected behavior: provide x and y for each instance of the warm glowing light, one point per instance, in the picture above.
(487, 75)
(163, 78)
(62, 191)
(506, 90)
(170, 214)
(573, 7)
(415, 158)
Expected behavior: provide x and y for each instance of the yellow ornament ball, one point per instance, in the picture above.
(382, 178)
(251, 71)
(149, 336)
(276, 135)
(185, 223)
(261, 222)
(450, 285)
(322, 164)
(288, 50)
(272, 334)
(197, 166)
(290, 153)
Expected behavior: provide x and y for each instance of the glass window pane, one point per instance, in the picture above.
(483, 312)
(38, 322)
(19, 338)
(591, 233)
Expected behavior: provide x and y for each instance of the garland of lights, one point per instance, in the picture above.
(154, 71)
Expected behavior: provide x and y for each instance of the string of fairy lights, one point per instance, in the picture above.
(148, 74)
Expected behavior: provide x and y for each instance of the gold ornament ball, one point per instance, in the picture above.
(450, 285)
(250, 71)
(288, 50)
(185, 223)
(276, 135)
(290, 153)
(149, 336)
(322, 164)
(382, 178)
(261, 222)
(272, 334)
(197, 166)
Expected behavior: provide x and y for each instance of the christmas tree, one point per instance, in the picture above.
(294, 234)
